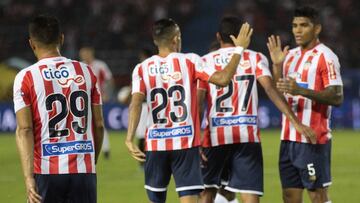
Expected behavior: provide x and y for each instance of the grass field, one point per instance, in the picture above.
(121, 181)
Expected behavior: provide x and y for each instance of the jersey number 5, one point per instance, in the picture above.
(80, 112)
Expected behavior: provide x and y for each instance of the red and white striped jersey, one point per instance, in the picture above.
(232, 110)
(59, 92)
(170, 87)
(314, 69)
(102, 73)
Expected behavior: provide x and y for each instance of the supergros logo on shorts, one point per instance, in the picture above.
(234, 120)
(62, 148)
(162, 133)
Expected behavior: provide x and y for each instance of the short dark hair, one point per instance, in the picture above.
(164, 29)
(45, 29)
(308, 12)
(229, 26)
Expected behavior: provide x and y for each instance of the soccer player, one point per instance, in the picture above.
(168, 83)
(105, 82)
(232, 137)
(59, 121)
(309, 76)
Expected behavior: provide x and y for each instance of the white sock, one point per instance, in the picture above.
(220, 199)
(234, 201)
(328, 201)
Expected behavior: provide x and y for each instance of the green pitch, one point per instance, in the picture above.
(121, 181)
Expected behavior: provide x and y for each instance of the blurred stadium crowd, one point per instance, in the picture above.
(119, 29)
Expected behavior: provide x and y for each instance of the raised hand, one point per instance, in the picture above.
(276, 53)
(135, 152)
(244, 36)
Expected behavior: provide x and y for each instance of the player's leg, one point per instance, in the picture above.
(106, 144)
(292, 187)
(185, 166)
(157, 175)
(317, 177)
(319, 195)
(82, 188)
(212, 171)
(247, 172)
(224, 196)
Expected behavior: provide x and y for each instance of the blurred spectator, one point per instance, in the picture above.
(119, 28)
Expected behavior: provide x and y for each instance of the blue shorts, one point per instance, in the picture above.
(77, 188)
(303, 165)
(184, 165)
(238, 166)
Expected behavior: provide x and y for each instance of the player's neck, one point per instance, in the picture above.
(47, 53)
(310, 45)
(165, 51)
(226, 45)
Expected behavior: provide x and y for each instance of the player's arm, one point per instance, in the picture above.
(25, 146)
(222, 78)
(277, 56)
(279, 101)
(201, 93)
(331, 95)
(98, 122)
(134, 118)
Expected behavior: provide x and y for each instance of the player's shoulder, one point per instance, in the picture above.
(326, 51)
(23, 72)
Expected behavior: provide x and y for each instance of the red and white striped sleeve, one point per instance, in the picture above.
(95, 89)
(138, 84)
(329, 67)
(262, 66)
(21, 91)
(202, 71)
(203, 85)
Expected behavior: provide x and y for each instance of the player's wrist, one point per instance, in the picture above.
(239, 50)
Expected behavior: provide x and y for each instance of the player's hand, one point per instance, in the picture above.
(203, 158)
(288, 85)
(244, 36)
(307, 132)
(276, 53)
(135, 152)
(32, 195)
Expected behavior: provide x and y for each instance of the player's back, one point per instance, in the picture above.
(60, 92)
(169, 84)
(232, 110)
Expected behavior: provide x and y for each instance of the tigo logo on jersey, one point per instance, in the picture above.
(62, 75)
(62, 148)
(170, 132)
(234, 120)
(157, 70)
(222, 59)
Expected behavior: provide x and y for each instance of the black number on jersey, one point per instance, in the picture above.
(245, 103)
(164, 95)
(80, 112)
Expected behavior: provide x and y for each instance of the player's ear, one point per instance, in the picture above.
(32, 44)
(218, 37)
(318, 29)
(62, 39)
